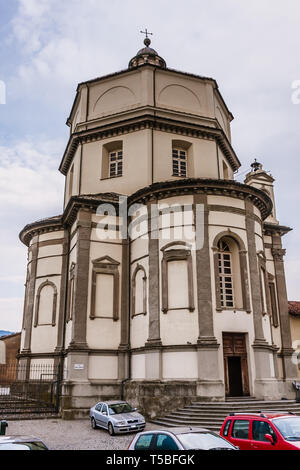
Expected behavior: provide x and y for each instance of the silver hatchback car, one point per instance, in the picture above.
(117, 417)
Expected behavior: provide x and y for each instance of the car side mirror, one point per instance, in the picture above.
(134, 409)
(269, 438)
(104, 413)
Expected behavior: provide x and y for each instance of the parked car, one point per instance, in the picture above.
(117, 417)
(181, 438)
(262, 431)
(21, 443)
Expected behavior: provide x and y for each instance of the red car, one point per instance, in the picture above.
(262, 431)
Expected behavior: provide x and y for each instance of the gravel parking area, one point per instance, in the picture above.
(71, 435)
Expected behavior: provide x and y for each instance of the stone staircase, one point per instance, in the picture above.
(211, 415)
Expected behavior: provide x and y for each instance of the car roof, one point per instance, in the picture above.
(114, 402)
(262, 414)
(283, 415)
(179, 430)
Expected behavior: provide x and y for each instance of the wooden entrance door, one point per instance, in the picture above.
(235, 364)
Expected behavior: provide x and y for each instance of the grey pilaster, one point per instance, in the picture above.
(254, 275)
(203, 268)
(153, 353)
(289, 369)
(30, 297)
(123, 370)
(154, 280)
(209, 381)
(263, 352)
(63, 293)
(81, 281)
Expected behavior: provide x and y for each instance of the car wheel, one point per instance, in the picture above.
(93, 423)
(110, 429)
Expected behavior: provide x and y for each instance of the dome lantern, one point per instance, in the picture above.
(147, 55)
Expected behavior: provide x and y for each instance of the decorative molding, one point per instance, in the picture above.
(71, 286)
(138, 268)
(149, 121)
(278, 254)
(176, 254)
(55, 241)
(105, 265)
(191, 186)
(37, 303)
(150, 193)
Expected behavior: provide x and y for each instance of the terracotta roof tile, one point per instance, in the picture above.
(294, 308)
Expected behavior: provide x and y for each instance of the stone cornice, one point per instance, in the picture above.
(51, 224)
(271, 229)
(149, 121)
(204, 186)
(156, 191)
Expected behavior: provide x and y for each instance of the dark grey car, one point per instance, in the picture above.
(117, 417)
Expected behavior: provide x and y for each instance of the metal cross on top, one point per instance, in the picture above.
(146, 32)
(147, 41)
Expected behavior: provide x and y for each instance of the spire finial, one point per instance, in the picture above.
(147, 40)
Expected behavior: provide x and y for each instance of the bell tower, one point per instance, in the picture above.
(261, 179)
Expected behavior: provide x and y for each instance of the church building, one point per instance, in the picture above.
(163, 279)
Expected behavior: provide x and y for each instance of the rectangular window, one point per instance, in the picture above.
(260, 429)
(240, 429)
(116, 163)
(144, 442)
(179, 162)
(178, 291)
(226, 428)
(226, 281)
(104, 299)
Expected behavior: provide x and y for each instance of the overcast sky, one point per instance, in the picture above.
(48, 46)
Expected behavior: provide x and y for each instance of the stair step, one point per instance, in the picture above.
(191, 421)
(243, 404)
(211, 415)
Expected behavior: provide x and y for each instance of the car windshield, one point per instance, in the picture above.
(289, 428)
(23, 446)
(119, 408)
(203, 440)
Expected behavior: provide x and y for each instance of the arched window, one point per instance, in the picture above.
(139, 292)
(45, 304)
(225, 275)
(71, 292)
(231, 272)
